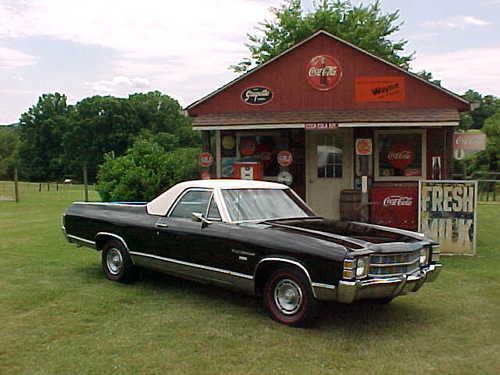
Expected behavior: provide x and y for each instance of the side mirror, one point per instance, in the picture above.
(198, 217)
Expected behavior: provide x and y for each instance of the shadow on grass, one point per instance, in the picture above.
(359, 318)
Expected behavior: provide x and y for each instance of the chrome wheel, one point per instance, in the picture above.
(114, 261)
(287, 296)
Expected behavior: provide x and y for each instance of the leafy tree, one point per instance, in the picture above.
(146, 170)
(9, 145)
(489, 159)
(429, 77)
(487, 106)
(41, 129)
(363, 25)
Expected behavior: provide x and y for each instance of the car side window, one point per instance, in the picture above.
(192, 201)
(213, 211)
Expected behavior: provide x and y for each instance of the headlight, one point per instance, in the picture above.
(355, 268)
(436, 251)
(362, 268)
(424, 256)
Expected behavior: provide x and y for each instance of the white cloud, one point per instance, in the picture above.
(120, 85)
(457, 22)
(475, 68)
(11, 59)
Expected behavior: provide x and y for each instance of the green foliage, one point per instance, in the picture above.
(147, 169)
(59, 139)
(489, 159)
(487, 106)
(363, 25)
(41, 129)
(429, 77)
(9, 145)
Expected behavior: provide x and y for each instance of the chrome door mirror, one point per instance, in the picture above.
(198, 217)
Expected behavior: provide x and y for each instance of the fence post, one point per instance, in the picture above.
(16, 185)
(85, 182)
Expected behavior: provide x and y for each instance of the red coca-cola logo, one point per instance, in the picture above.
(206, 159)
(323, 72)
(285, 158)
(400, 156)
(397, 200)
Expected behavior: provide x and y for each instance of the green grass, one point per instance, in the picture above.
(59, 315)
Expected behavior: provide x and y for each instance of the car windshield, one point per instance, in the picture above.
(263, 204)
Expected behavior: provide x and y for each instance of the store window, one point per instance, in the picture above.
(400, 155)
(329, 157)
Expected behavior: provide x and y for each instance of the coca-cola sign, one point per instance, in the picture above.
(400, 156)
(323, 72)
(257, 95)
(397, 200)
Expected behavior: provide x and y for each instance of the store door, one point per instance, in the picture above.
(329, 169)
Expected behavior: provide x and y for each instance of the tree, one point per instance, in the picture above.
(487, 106)
(429, 77)
(41, 129)
(9, 145)
(363, 25)
(146, 170)
(489, 159)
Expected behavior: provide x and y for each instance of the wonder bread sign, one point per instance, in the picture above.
(447, 214)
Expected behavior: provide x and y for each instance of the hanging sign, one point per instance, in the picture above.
(205, 159)
(379, 89)
(257, 95)
(320, 125)
(400, 156)
(364, 146)
(323, 72)
(447, 214)
(285, 158)
(466, 143)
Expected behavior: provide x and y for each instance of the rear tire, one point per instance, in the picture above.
(288, 297)
(116, 262)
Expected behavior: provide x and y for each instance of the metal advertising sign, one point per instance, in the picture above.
(323, 72)
(205, 159)
(395, 206)
(285, 158)
(380, 89)
(468, 143)
(447, 214)
(320, 125)
(364, 146)
(257, 95)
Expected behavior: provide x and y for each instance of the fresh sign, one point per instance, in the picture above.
(257, 95)
(447, 214)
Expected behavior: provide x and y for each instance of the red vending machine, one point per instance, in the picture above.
(395, 205)
(247, 170)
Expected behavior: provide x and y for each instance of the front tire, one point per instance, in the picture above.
(116, 262)
(288, 297)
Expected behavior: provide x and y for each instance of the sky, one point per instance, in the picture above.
(184, 48)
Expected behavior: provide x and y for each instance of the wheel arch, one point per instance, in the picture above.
(267, 265)
(102, 237)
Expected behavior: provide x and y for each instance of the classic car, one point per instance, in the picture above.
(258, 237)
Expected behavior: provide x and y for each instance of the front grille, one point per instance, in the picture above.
(394, 264)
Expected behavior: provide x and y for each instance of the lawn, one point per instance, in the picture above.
(61, 316)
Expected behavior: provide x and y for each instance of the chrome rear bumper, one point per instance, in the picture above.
(350, 291)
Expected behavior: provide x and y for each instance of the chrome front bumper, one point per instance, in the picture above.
(350, 291)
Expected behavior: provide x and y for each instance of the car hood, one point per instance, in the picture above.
(354, 236)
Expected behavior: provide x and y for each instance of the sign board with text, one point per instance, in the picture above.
(447, 214)
(379, 89)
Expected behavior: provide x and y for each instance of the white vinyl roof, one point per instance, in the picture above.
(161, 204)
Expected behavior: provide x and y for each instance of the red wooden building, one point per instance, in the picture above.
(325, 113)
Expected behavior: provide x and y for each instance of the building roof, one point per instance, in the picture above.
(335, 116)
(323, 32)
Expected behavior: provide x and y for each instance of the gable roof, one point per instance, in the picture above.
(323, 32)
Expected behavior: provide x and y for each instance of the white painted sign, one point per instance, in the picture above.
(447, 214)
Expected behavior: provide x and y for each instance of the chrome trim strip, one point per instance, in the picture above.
(194, 265)
(326, 286)
(110, 204)
(80, 239)
(242, 252)
(275, 259)
(394, 264)
(115, 236)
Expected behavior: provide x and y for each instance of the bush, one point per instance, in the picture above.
(145, 171)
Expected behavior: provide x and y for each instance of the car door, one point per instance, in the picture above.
(192, 246)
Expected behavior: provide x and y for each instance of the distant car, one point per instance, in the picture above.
(257, 237)
(68, 181)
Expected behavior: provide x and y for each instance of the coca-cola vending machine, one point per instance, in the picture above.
(395, 205)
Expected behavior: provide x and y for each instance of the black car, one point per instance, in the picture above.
(258, 237)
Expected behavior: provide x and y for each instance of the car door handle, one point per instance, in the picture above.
(162, 225)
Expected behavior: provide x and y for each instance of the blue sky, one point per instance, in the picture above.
(183, 49)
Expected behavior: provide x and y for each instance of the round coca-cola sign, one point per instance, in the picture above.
(285, 158)
(323, 72)
(205, 159)
(400, 156)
